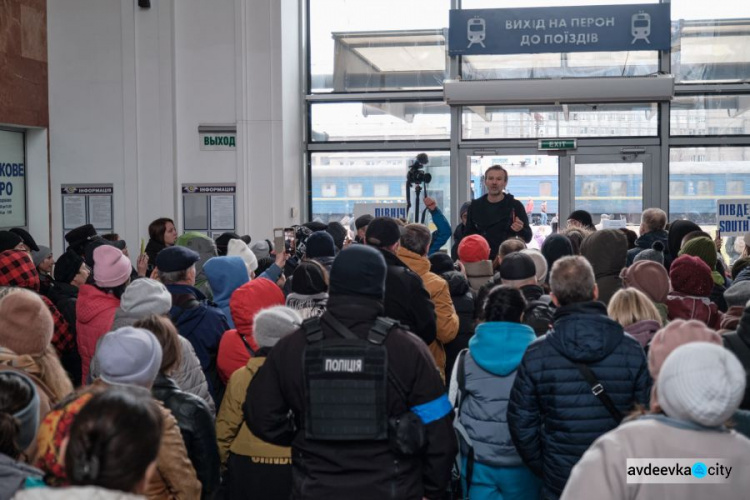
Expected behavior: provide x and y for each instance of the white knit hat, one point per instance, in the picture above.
(240, 248)
(702, 383)
(272, 324)
(540, 263)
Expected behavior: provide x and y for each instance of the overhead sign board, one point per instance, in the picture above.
(560, 29)
(733, 216)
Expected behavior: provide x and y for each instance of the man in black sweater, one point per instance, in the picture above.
(497, 215)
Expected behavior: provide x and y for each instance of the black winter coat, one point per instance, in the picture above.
(407, 300)
(646, 241)
(361, 470)
(64, 296)
(739, 343)
(553, 415)
(197, 428)
(493, 221)
(463, 303)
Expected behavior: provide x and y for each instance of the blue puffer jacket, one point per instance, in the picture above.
(553, 415)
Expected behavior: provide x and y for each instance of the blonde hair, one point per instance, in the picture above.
(629, 306)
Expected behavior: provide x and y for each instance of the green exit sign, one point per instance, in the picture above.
(556, 144)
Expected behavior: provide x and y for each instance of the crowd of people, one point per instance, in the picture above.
(370, 363)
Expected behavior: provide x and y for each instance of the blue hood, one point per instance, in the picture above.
(225, 275)
(583, 332)
(498, 346)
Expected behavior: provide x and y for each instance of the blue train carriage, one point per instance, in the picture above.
(377, 179)
(694, 188)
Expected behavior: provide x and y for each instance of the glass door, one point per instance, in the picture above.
(611, 187)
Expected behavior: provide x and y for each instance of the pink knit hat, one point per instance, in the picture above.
(669, 338)
(111, 267)
(648, 277)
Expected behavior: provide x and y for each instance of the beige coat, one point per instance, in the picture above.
(232, 433)
(602, 472)
(440, 294)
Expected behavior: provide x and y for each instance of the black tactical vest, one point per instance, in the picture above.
(346, 380)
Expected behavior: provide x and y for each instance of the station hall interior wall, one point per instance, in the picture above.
(128, 88)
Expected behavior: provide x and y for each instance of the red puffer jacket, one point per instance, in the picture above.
(95, 313)
(245, 303)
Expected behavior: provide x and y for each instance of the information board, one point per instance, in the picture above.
(12, 179)
(88, 204)
(209, 208)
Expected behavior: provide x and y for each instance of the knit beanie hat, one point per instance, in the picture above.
(128, 356)
(363, 221)
(678, 230)
(38, 256)
(262, 249)
(655, 253)
(309, 279)
(666, 340)
(111, 267)
(358, 270)
(703, 248)
(338, 233)
(583, 217)
(739, 265)
(473, 248)
(555, 247)
(540, 263)
(648, 277)
(738, 294)
(440, 263)
(701, 383)
(67, 266)
(691, 275)
(27, 239)
(145, 296)
(222, 242)
(26, 325)
(464, 209)
(240, 248)
(8, 240)
(272, 324)
(320, 244)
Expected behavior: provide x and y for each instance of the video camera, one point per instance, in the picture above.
(416, 174)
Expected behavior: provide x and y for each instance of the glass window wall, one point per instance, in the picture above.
(358, 46)
(574, 120)
(381, 177)
(379, 121)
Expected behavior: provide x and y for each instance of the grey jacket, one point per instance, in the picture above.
(13, 476)
(190, 377)
(483, 415)
(75, 493)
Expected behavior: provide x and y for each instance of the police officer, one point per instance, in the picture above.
(359, 400)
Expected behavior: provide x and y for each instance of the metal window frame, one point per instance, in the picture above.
(656, 177)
